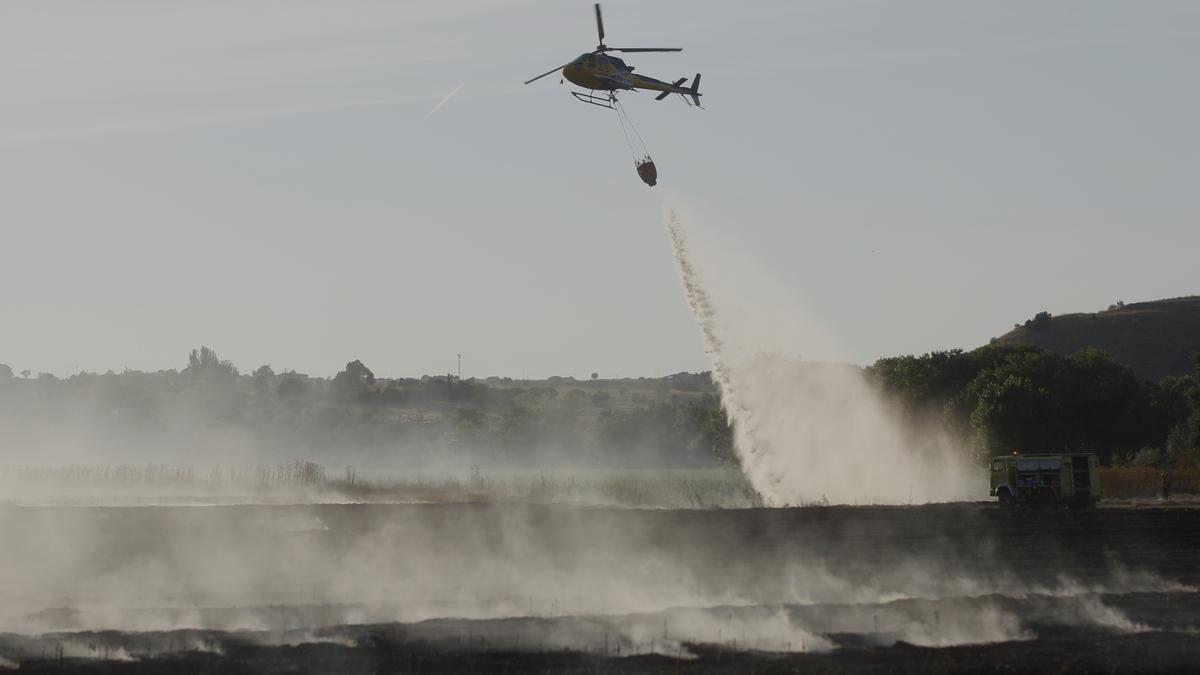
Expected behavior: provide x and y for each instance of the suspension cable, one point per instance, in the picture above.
(641, 143)
(625, 132)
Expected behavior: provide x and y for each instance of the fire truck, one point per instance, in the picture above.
(1046, 481)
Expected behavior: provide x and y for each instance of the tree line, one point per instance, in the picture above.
(989, 401)
(1001, 398)
(356, 417)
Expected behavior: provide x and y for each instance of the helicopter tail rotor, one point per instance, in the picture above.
(694, 90)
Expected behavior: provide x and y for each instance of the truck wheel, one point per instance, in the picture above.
(1006, 499)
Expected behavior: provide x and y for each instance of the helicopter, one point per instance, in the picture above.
(597, 71)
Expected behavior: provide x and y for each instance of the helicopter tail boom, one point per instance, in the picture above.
(678, 87)
(665, 94)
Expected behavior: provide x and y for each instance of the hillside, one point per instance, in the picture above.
(1154, 338)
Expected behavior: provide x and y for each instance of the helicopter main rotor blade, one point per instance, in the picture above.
(643, 49)
(548, 72)
(599, 24)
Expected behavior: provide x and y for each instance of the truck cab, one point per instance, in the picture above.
(1046, 481)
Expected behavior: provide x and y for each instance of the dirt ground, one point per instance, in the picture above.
(518, 588)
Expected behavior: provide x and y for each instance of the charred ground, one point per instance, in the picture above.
(912, 589)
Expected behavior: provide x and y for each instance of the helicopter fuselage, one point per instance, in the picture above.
(608, 73)
(596, 70)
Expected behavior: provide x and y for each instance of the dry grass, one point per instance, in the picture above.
(1129, 482)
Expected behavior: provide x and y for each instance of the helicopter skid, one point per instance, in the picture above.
(592, 99)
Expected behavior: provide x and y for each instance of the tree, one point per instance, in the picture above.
(1190, 443)
(1041, 402)
(291, 389)
(595, 376)
(353, 382)
(1014, 409)
(211, 384)
(1014, 396)
(930, 388)
(25, 373)
(1039, 320)
(264, 382)
(1169, 408)
(205, 366)
(1104, 405)
(6, 372)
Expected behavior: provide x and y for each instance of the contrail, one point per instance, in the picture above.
(444, 101)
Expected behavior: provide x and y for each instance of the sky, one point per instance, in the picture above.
(304, 183)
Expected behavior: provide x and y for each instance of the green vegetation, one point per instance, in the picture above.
(358, 418)
(992, 400)
(1019, 397)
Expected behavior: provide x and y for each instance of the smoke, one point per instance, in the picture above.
(1093, 610)
(808, 432)
(533, 578)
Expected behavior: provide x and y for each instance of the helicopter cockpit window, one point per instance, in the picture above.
(589, 61)
(618, 63)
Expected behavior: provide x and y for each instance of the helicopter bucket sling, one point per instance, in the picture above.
(637, 147)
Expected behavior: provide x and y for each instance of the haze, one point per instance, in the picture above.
(291, 183)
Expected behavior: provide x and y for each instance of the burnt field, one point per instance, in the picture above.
(494, 588)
